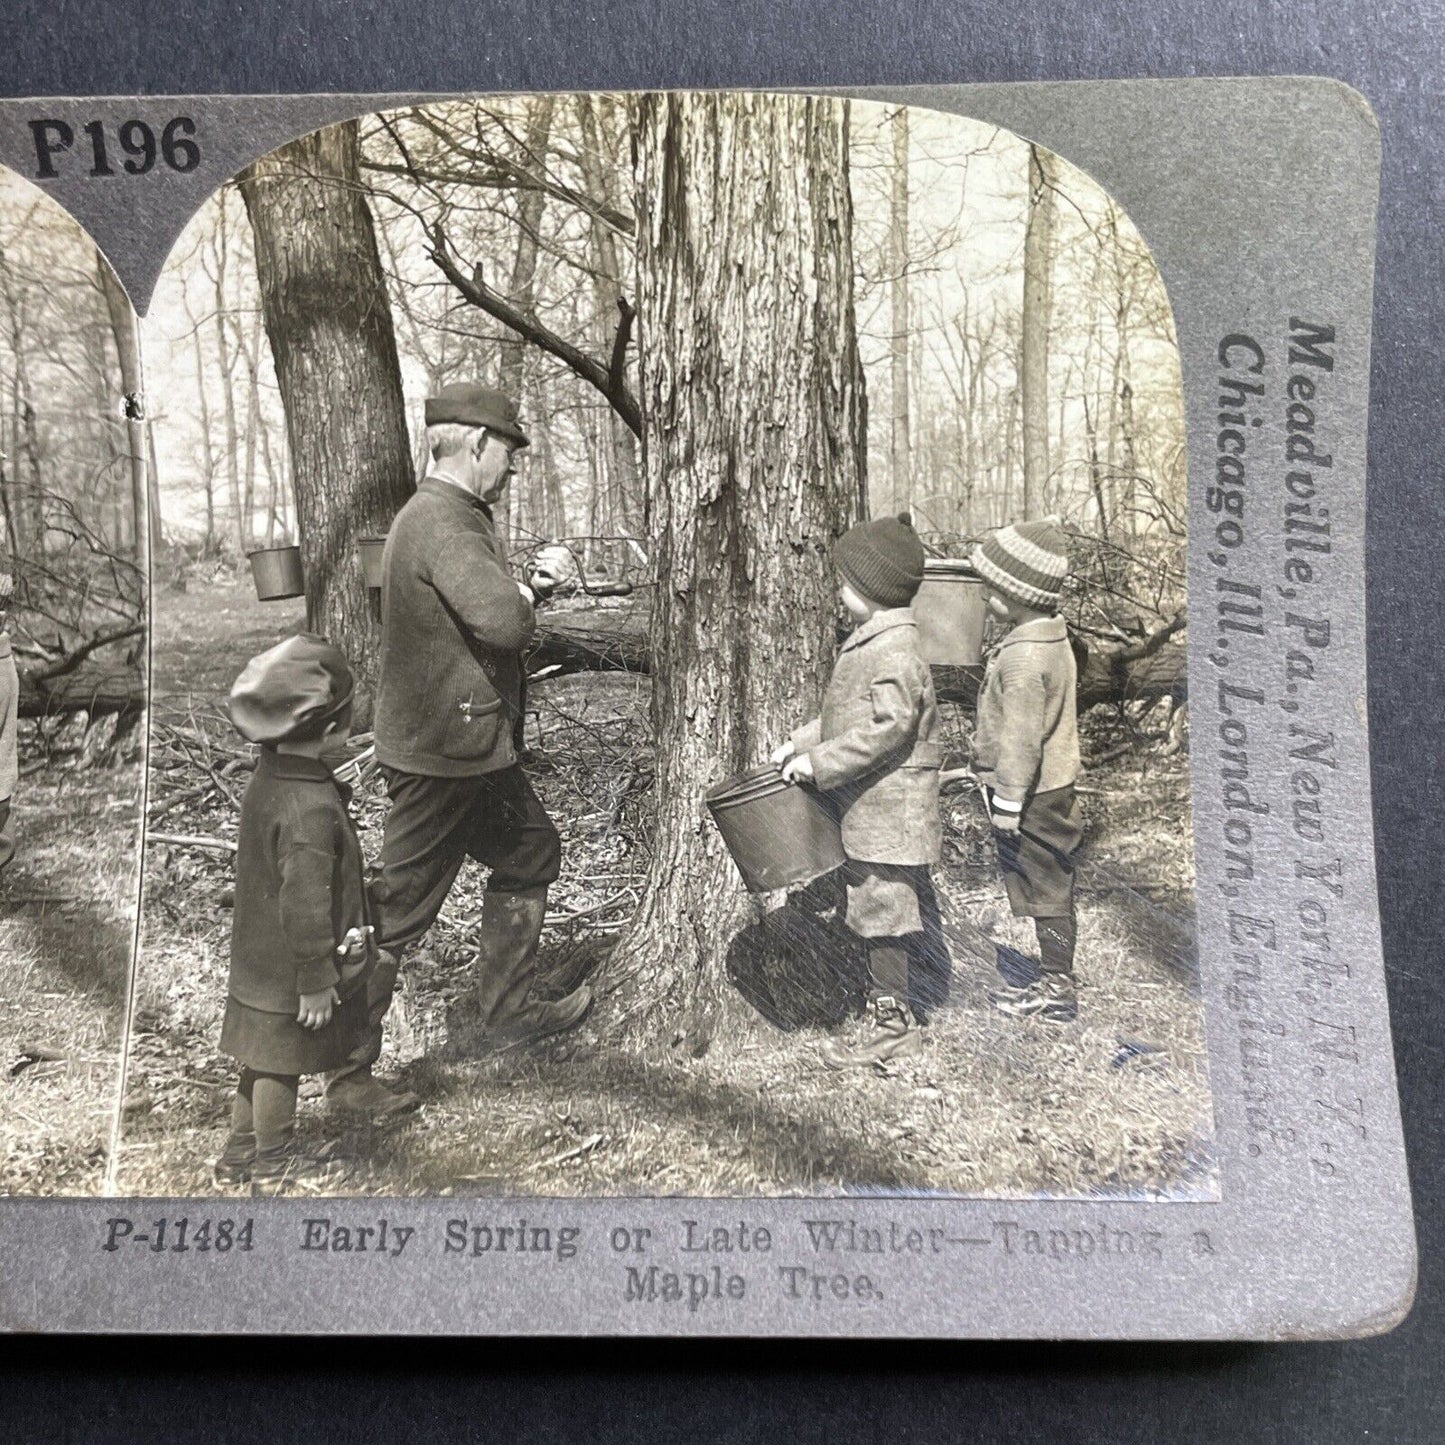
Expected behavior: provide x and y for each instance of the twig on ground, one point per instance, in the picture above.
(180, 840)
(585, 1147)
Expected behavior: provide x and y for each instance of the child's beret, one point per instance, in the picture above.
(290, 692)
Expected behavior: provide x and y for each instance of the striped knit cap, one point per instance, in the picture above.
(1028, 562)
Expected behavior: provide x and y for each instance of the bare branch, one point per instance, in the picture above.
(607, 380)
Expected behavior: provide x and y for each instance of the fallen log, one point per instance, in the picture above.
(1146, 671)
(74, 683)
(578, 642)
(1114, 677)
(93, 690)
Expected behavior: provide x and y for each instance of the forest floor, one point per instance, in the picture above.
(67, 920)
(1116, 1104)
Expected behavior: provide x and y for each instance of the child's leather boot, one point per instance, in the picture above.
(888, 1031)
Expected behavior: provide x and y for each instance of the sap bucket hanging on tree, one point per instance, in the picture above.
(950, 613)
(781, 834)
(370, 550)
(277, 573)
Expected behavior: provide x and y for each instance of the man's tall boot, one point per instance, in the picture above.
(509, 1014)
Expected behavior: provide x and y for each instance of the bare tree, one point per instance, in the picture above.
(899, 259)
(521, 286)
(1037, 306)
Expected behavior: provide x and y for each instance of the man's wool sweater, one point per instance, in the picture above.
(454, 626)
(1026, 739)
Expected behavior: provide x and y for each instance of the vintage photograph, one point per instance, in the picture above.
(669, 668)
(72, 694)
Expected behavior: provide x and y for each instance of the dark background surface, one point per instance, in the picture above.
(1391, 1389)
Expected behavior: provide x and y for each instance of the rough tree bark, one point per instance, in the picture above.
(754, 455)
(324, 299)
(1034, 358)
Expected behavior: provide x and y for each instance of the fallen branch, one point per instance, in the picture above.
(183, 840)
(72, 660)
(609, 380)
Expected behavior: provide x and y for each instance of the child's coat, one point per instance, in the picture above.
(1026, 740)
(299, 890)
(874, 747)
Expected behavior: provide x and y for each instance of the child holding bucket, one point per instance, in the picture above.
(874, 750)
(1026, 746)
(300, 942)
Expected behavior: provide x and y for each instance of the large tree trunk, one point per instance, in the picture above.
(327, 317)
(1038, 301)
(752, 394)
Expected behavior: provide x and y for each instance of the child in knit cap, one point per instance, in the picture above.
(874, 751)
(1026, 747)
(9, 721)
(300, 933)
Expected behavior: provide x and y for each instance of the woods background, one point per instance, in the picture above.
(73, 535)
(736, 323)
(1014, 333)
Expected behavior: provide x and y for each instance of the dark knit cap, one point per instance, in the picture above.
(466, 403)
(883, 560)
(289, 693)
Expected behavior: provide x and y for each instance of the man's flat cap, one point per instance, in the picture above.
(465, 403)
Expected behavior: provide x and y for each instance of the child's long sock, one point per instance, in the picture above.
(1057, 938)
(272, 1100)
(888, 967)
(240, 1150)
(929, 965)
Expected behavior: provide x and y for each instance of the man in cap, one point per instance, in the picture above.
(455, 626)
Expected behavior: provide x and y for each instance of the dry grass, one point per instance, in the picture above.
(1117, 1104)
(67, 912)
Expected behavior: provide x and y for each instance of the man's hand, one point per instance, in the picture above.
(315, 1010)
(798, 769)
(783, 753)
(543, 582)
(353, 947)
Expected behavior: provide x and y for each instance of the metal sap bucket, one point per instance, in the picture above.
(277, 573)
(781, 835)
(950, 614)
(370, 550)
